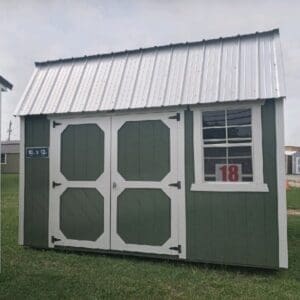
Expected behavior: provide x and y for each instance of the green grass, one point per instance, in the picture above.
(28, 273)
(293, 198)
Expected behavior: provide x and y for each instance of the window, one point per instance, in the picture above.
(3, 158)
(225, 141)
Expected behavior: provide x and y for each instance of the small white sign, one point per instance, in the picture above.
(230, 172)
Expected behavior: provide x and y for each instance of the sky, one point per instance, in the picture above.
(38, 30)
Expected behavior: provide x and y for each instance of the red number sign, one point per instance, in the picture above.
(228, 172)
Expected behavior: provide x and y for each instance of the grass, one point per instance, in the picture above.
(28, 273)
(293, 198)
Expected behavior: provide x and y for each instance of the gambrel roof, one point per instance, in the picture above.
(243, 67)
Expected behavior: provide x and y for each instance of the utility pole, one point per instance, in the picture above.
(9, 130)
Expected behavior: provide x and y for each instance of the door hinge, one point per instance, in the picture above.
(54, 124)
(177, 184)
(176, 248)
(176, 117)
(55, 184)
(54, 239)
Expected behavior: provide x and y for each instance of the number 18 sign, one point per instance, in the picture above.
(230, 172)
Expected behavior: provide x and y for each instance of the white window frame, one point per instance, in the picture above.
(5, 159)
(257, 185)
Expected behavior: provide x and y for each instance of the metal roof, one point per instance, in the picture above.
(243, 67)
(5, 84)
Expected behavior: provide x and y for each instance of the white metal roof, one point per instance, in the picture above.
(246, 67)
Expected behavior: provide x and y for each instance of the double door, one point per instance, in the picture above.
(116, 183)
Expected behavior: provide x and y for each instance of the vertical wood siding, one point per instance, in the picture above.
(236, 228)
(36, 204)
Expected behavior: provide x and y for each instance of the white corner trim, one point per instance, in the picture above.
(281, 192)
(21, 181)
(229, 187)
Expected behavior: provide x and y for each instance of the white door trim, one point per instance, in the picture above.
(176, 174)
(102, 184)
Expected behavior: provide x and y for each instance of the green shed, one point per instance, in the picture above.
(174, 151)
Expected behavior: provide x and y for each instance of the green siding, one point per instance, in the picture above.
(36, 203)
(144, 216)
(82, 152)
(144, 150)
(236, 228)
(82, 214)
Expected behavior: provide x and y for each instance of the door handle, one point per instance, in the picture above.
(114, 185)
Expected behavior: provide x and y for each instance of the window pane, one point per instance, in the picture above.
(238, 141)
(238, 117)
(239, 151)
(213, 118)
(210, 165)
(210, 178)
(239, 132)
(245, 162)
(214, 133)
(247, 179)
(215, 152)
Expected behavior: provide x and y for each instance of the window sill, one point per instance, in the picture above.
(229, 187)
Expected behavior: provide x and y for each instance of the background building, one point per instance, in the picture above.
(10, 156)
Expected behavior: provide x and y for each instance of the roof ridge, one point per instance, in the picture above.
(107, 54)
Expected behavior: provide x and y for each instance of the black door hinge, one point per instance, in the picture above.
(178, 248)
(54, 124)
(55, 184)
(54, 239)
(177, 184)
(176, 117)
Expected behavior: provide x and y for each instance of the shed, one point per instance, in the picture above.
(173, 151)
(10, 153)
(292, 160)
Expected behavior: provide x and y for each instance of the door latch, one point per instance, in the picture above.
(176, 248)
(55, 184)
(54, 239)
(177, 184)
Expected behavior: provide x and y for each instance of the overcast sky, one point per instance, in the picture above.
(42, 30)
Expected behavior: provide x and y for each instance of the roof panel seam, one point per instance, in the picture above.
(51, 90)
(115, 101)
(106, 82)
(184, 74)
(220, 71)
(168, 78)
(64, 88)
(78, 86)
(238, 73)
(202, 74)
(135, 80)
(39, 90)
(151, 80)
(92, 85)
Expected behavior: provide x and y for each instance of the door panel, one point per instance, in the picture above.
(144, 207)
(110, 183)
(80, 170)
